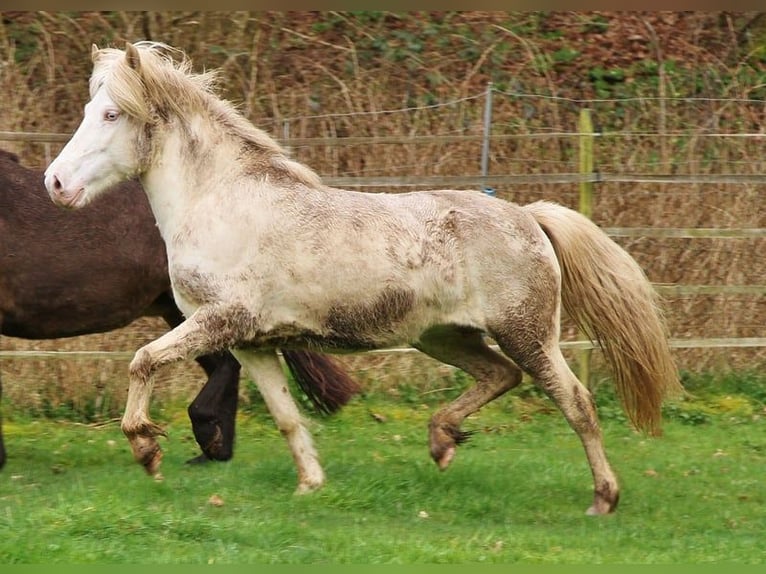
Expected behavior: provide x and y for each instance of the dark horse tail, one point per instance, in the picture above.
(325, 383)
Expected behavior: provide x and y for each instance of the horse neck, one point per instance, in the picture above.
(186, 167)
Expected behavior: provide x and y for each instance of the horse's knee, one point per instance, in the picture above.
(141, 366)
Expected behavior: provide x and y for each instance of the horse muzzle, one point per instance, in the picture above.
(67, 197)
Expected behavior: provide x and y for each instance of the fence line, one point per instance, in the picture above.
(681, 290)
(687, 232)
(55, 137)
(538, 178)
(478, 180)
(691, 343)
(585, 178)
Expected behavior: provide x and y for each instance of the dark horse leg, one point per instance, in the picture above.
(213, 411)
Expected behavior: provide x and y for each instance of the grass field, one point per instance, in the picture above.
(516, 492)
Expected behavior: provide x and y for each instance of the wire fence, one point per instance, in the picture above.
(671, 155)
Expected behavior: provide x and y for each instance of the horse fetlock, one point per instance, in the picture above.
(308, 487)
(443, 440)
(308, 483)
(605, 499)
(146, 449)
(147, 452)
(144, 428)
(211, 441)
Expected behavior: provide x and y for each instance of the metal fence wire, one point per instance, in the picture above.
(680, 182)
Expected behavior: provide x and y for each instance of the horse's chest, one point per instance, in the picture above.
(194, 287)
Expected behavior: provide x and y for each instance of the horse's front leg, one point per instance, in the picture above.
(266, 371)
(189, 339)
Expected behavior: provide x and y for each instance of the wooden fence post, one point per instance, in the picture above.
(585, 129)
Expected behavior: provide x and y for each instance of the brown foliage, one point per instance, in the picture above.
(325, 72)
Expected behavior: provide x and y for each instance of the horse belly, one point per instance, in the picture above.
(384, 314)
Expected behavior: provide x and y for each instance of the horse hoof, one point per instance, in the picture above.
(595, 511)
(443, 440)
(446, 458)
(600, 508)
(307, 488)
(605, 499)
(308, 485)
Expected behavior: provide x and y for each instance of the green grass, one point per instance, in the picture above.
(516, 492)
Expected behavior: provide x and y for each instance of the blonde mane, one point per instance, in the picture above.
(165, 87)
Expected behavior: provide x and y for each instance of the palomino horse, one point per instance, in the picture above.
(262, 254)
(64, 274)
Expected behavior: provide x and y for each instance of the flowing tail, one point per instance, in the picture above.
(325, 383)
(607, 294)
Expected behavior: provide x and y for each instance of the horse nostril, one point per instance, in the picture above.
(56, 183)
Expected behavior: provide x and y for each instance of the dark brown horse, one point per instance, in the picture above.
(67, 274)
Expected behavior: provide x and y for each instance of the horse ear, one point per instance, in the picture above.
(93, 52)
(132, 56)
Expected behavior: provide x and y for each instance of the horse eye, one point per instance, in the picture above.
(111, 115)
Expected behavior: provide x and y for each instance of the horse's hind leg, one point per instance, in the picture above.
(545, 363)
(494, 375)
(266, 371)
